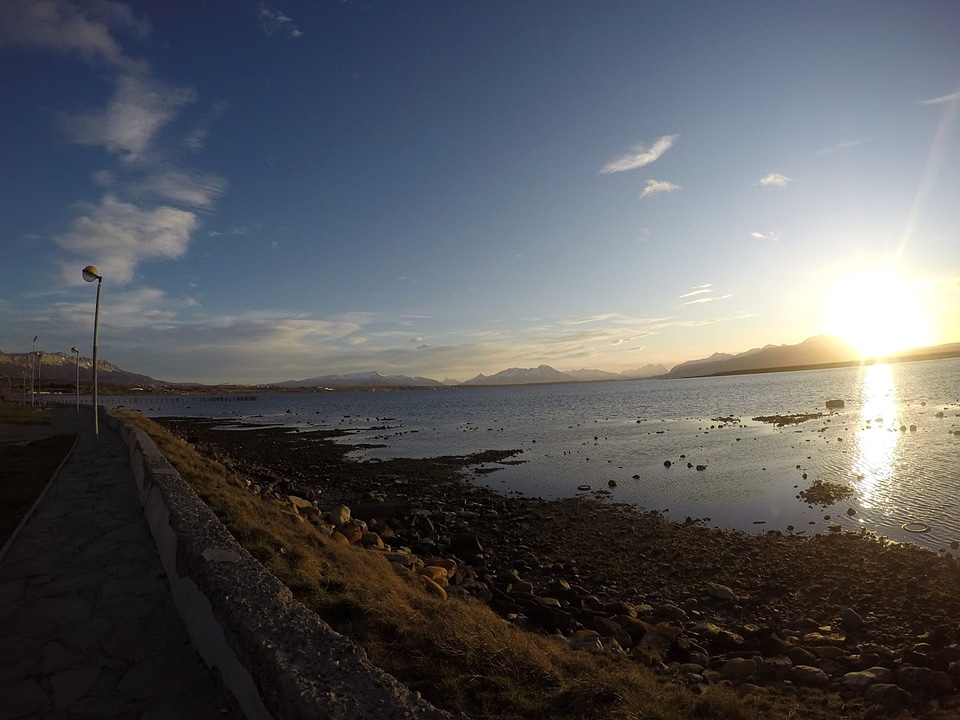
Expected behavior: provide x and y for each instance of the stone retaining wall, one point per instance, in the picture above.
(274, 656)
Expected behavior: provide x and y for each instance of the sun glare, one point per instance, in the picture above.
(877, 313)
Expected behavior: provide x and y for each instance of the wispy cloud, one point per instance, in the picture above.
(712, 298)
(631, 338)
(841, 146)
(150, 211)
(276, 23)
(774, 180)
(196, 139)
(62, 27)
(639, 156)
(697, 290)
(773, 235)
(188, 188)
(942, 100)
(117, 236)
(128, 126)
(616, 318)
(713, 320)
(655, 187)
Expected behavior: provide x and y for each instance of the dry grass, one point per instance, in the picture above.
(458, 654)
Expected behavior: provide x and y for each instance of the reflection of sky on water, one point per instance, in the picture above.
(877, 440)
(593, 433)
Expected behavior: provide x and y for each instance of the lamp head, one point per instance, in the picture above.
(90, 273)
(74, 349)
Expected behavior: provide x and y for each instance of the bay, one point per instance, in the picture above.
(616, 436)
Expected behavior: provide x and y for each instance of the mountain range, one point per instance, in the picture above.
(820, 350)
(62, 368)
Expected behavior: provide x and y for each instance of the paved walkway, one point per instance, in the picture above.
(88, 628)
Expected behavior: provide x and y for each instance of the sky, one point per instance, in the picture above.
(281, 190)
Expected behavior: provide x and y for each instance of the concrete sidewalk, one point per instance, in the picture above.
(88, 628)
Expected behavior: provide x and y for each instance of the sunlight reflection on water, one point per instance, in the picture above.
(877, 440)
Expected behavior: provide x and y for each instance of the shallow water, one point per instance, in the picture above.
(592, 433)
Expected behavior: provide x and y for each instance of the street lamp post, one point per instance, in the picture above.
(76, 354)
(39, 355)
(90, 274)
(33, 372)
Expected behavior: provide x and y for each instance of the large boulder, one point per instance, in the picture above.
(738, 669)
(858, 681)
(889, 697)
(850, 620)
(339, 515)
(808, 676)
(466, 545)
(721, 592)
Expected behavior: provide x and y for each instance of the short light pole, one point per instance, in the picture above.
(39, 355)
(76, 354)
(90, 274)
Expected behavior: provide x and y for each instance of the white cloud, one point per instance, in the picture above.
(841, 146)
(60, 26)
(942, 100)
(699, 301)
(773, 235)
(655, 187)
(117, 237)
(103, 178)
(129, 124)
(192, 189)
(639, 156)
(774, 180)
(697, 290)
(274, 23)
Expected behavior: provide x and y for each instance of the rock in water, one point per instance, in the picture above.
(835, 404)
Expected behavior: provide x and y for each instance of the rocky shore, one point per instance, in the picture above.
(849, 621)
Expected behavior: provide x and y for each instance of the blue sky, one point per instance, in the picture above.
(278, 190)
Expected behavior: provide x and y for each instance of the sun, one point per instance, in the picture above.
(877, 313)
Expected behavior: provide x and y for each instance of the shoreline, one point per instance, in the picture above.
(839, 603)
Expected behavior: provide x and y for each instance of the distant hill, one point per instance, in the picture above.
(522, 376)
(62, 367)
(510, 376)
(360, 379)
(818, 350)
(647, 371)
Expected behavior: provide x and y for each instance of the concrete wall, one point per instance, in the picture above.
(273, 655)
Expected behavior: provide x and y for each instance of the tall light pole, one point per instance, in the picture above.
(76, 354)
(33, 359)
(90, 274)
(39, 355)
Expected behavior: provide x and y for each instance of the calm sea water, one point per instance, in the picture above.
(592, 433)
